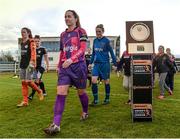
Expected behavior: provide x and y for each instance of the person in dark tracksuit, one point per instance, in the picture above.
(162, 64)
(125, 63)
(170, 75)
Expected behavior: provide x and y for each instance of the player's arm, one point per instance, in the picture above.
(93, 54)
(46, 59)
(60, 53)
(33, 53)
(112, 54)
(83, 44)
(80, 52)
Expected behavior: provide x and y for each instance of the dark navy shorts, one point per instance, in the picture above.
(101, 70)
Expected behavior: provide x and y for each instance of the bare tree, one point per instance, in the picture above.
(6, 56)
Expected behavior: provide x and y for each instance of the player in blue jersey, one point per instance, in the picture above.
(100, 59)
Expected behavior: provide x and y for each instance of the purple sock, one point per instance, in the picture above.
(84, 102)
(59, 108)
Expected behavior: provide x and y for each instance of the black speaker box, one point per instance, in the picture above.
(140, 96)
(142, 79)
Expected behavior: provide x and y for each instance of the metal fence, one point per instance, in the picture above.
(178, 64)
(9, 67)
(14, 67)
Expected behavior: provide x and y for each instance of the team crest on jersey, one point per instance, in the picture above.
(39, 52)
(26, 46)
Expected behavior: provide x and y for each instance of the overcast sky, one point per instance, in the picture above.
(46, 17)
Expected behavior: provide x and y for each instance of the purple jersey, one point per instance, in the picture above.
(73, 45)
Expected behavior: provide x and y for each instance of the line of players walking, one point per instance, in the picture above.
(74, 68)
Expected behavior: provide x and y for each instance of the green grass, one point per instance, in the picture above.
(113, 120)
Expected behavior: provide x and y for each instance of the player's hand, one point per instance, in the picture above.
(67, 63)
(57, 71)
(114, 68)
(121, 73)
(89, 66)
(47, 68)
(32, 63)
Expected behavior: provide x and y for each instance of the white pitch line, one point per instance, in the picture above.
(172, 99)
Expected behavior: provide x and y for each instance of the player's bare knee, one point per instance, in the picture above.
(106, 81)
(24, 82)
(62, 90)
(94, 80)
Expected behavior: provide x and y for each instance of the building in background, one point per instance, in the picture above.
(52, 46)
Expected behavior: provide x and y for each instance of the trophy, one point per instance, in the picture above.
(140, 45)
(139, 37)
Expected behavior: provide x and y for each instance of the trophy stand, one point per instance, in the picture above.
(140, 45)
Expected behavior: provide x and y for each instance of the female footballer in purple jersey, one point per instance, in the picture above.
(72, 69)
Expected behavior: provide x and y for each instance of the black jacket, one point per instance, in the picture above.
(125, 62)
(162, 63)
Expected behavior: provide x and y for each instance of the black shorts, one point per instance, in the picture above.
(38, 73)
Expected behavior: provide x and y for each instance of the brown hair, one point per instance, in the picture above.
(75, 16)
(28, 31)
(168, 49)
(100, 26)
(161, 46)
(37, 37)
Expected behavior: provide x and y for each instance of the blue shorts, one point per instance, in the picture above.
(102, 70)
(75, 74)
